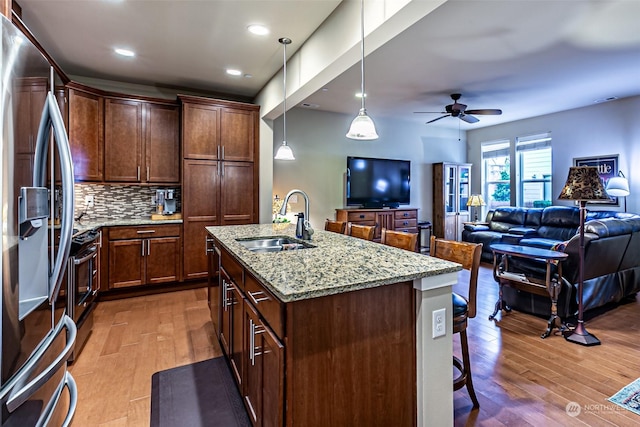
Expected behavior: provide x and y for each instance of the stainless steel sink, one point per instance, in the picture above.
(273, 244)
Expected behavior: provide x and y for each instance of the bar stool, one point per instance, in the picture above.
(399, 239)
(335, 226)
(361, 231)
(467, 254)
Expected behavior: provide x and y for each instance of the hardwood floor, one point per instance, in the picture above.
(131, 340)
(520, 379)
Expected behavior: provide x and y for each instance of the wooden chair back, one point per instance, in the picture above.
(465, 253)
(399, 239)
(335, 226)
(361, 231)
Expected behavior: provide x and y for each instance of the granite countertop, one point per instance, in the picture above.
(337, 264)
(92, 224)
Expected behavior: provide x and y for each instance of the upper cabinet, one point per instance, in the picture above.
(141, 142)
(122, 139)
(86, 133)
(221, 130)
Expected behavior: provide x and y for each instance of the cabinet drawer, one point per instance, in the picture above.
(407, 229)
(413, 213)
(117, 233)
(266, 304)
(359, 217)
(404, 223)
(232, 267)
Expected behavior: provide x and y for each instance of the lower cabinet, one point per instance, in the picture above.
(146, 255)
(331, 360)
(263, 387)
(403, 219)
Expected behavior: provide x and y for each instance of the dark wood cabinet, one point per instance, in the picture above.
(86, 133)
(219, 176)
(342, 347)
(403, 219)
(141, 142)
(218, 130)
(123, 140)
(145, 255)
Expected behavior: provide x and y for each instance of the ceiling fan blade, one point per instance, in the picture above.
(486, 112)
(441, 117)
(467, 118)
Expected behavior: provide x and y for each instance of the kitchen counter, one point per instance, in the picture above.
(336, 264)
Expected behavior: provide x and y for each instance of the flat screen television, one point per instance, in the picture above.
(377, 183)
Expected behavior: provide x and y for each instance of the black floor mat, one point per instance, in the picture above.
(200, 394)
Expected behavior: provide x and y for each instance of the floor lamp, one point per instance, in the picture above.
(583, 185)
(618, 186)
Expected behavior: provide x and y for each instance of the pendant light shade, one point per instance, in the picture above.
(362, 127)
(284, 151)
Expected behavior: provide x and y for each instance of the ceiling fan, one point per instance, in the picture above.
(460, 111)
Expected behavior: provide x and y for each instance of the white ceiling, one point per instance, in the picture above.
(526, 57)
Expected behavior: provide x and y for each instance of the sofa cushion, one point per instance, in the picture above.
(540, 242)
(507, 217)
(533, 218)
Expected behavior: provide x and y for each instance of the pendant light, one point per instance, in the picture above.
(362, 127)
(284, 151)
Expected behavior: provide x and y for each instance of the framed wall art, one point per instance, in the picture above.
(607, 168)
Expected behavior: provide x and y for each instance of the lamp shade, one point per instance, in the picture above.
(362, 127)
(475, 200)
(284, 152)
(618, 186)
(583, 183)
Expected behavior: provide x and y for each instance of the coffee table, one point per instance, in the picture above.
(550, 286)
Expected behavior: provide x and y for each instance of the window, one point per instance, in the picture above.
(496, 186)
(533, 171)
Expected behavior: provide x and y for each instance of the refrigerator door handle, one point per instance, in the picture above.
(52, 119)
(21, 395)
(70, 384)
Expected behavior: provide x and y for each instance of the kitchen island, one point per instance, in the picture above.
(335, 334)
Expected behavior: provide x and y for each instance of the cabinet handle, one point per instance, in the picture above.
(405, 223)
(148, 247)
(361, 216)
(145, 231)
(224, 294)
(255, 300)
(253, 331)
(406, 214)
(138, 174)
(141, 247)
(207, 248)
(222, 152)
(218, 152)
(147, 173)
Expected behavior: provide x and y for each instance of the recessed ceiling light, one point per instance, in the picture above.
(258, 29)
(248, 76)
(610, 98)
(124, 52)
(233, 72)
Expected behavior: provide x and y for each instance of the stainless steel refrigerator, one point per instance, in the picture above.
(36, 190)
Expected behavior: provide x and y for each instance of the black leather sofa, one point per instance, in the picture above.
(612, 253)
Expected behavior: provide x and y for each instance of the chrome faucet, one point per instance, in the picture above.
(307, 231)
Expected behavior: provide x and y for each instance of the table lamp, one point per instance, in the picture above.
(475, 200)
(618, 186)
(583, 184)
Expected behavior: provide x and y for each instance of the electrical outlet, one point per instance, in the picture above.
(439, 323)
(88, 200)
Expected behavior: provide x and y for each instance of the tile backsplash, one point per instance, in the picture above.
(119, 201)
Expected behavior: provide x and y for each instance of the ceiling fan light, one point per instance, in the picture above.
(284, 152)
(362, 127)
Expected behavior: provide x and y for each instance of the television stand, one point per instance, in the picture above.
(400, 219)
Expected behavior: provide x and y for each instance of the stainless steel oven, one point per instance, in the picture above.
(83, 284)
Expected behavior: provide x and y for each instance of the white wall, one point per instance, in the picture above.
(321, 148)
(602, 129)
